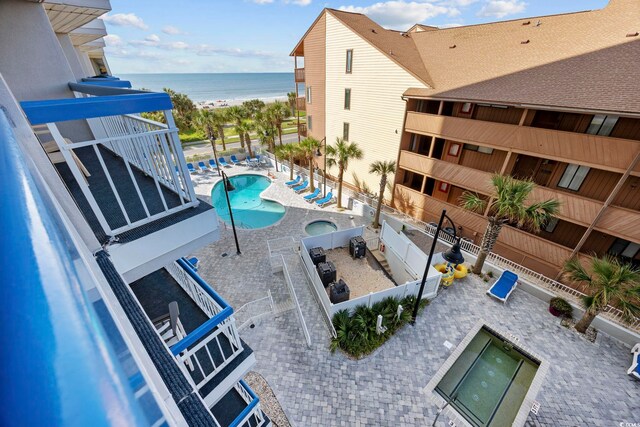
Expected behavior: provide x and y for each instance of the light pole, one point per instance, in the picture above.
(323, 141)
(453, 256)
(228, 186)
(215, 155)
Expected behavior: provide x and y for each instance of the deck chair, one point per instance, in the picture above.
(300, 188)
(234, 159)
(170, 328)
(54, 154)
(312, 196)
(191, 168)
(203, 167)
(325, 200)
(503, 287)
(634, 370)
(222, 162)
(213, 164)
(294, 183)
(194, 263)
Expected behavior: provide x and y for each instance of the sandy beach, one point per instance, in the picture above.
(220, 103)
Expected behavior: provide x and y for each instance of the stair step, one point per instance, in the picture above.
(282, 307)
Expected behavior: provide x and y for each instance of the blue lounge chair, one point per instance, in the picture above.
(634, 370)
(222, 162)
(312, 196)
(234, 159)
(194, 263)
(251, 161)
(325, 200)
(294, 182)
(213, 164)
(191, 168)
(503, 287)
(203, 167)
(301, 187)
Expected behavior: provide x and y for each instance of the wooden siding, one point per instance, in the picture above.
(620, 222)
(572, 208)
(485, 162)
(597, 185)
(315, 76)
(627, 128)
(629, 195)
(497, 115)
(377, 111)
(565, 234)
(597, 151)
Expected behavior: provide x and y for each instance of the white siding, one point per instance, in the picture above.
(377, 110)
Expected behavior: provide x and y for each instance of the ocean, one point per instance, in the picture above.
(218, 86)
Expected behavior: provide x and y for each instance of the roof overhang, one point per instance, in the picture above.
(69, 15)
(89, 32)
(298, 50)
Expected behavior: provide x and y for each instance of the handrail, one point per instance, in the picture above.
(125, 84)
(195, 276)
(250, 407)
(201, 331)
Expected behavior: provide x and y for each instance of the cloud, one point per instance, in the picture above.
(401, 14)
(501, 8)
(262, 1)
(208, 50)
(125, 20)
(152, 38)
(171, 30)
(113, 40)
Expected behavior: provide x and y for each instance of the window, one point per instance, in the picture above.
(602, 125)
(479, 149)
(349, 61)
(624, 248)
(309, 121)
(454, 149)
(466, 108)
(551, 225)
(443, 186)
(308, 94)
(573, 177)
(347, 99)
(345, 131)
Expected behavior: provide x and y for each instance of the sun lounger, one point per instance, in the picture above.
(301, 187)
(503, 287)
(325, 200)
(312, 196)
(203, 167)
(213, 164)
(194, 263)
(294, 183)
(222, 162)
(634, 370)
(251, 161)
(234, 159)
(191, 168)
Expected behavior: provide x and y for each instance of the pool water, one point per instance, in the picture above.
(488, 382)
(249, 209)
(316, 228)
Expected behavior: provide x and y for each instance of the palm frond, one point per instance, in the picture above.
(473, 202)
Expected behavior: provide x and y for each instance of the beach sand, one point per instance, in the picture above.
(220, 103)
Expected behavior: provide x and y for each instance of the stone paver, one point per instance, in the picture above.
(586, 384)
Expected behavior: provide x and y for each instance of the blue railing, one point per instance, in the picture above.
(250, 407)
(59, 368)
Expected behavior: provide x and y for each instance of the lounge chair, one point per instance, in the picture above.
(213, 164)
(325, 200)
(203, 167)
(300, 188)
(294, 182)
(194, 263)
(251, 161)
(191, 168)
(312, 196)
(634, 370)
(503, 287)
(234, 159)
(222, 162)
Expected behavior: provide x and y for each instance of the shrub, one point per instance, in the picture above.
(561, 306)
(356, 333)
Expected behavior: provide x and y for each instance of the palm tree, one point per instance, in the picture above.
(248, 126)
(290, 152)
(291, 99)
(242, 129)
(382, 168)
(508, 205)
(183, 107)
(308, 149)
(339, 155)
(219, 119)
(608, 282)
(252, 107)
(265, 129)
(236, 114)
(278, 112)
(204, 119)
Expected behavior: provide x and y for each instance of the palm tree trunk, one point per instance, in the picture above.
(383, 184)
(585, 321)
(247, 141)
(312, 186)
(290, 168)
(249, 148)
(340, 174)
(280, 133)
(221, 133)
(488, 242)
(241, 140)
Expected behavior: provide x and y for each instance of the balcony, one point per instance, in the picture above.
(301, 103)
(613, 154)
(299, 75)
(302, 129)
(130, 180)
(206, 344)
(88, 33)
(72, 14)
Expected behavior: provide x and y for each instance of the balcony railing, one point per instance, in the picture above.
(302, 129)
(135, 172)
(301, 104)
(299, 75)
(251, 415)
(214, 344)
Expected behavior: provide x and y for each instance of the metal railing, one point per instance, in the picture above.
(195, 347)
(251, 415)
(254, 310)
(294, 297)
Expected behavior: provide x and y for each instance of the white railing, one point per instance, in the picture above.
(294, 297)
(148, 146)
(254, 413)
(255, 310)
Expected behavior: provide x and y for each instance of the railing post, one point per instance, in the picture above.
(181, 162)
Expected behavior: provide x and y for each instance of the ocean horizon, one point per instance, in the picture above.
(217, 86)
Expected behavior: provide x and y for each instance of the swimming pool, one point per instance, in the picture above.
(315, 228)
(249, 209)
(488, 382)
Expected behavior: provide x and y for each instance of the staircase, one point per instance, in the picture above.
(379, 256)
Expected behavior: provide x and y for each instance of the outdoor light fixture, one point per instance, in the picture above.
(229, 187)
(453, 256)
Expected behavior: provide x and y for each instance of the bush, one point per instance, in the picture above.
(356, 333)
(561, 306)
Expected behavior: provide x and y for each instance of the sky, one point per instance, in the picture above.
(227, 36)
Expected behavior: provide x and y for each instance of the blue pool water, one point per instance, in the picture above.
(316, 228)
(249, 209)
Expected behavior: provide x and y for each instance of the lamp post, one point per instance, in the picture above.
(215, 155)
(228, 186)
(323, 141)
(453, 255)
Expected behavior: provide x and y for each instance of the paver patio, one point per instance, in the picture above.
(587, 383)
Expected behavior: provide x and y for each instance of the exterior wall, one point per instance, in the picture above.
(314, 70)
(72, 56)
(377, 111)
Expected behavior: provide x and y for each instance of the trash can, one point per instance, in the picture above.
(339, 292)
(357, 247)
(327, 273)
(317, 255)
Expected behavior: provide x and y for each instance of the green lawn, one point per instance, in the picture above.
(230, 135)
